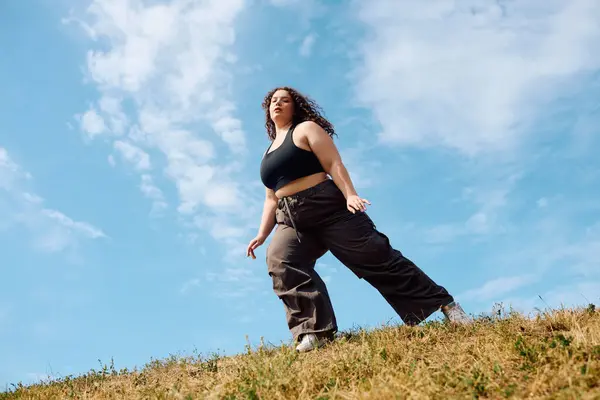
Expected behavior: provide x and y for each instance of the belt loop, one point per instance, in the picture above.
(285, 200)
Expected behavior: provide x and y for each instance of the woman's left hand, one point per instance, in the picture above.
(355, 203)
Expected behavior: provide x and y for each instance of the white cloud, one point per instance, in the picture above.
(9, 171)
(82, 228)
(230, 129)
(445, 233)
(32, 198)
(234, 282)
(327, 268)
(39, 377)
(189, 285)
(51, 230)
(236, 275)
(92, 123)
(133, 154)
(163, 71)
(326, 271)
(554, 243)
(551, 249)
(489, 199)
(105, 118)
(117, 119)
(170, 63)
(151, 191)
(223, 196)
(307, 45)
(230, 230)
(363, 168)
(55, 232)
(6, 162)
(220, 231)
(497, 287)
(472, 75)
(578, 294)
(582, 255)
(479, 224)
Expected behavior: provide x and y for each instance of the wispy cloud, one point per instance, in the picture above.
(140, 161)
(307, 45)
(169, 62)
(116, 118)
(133, 154)
(189, 285)
(39, 377)
(498, 287)
(52, 230)
(81, 227)
(476, 84)
(364, 170)
(91, 123)
(578, 294)
(326, 271)
(151, 191)
(488, 198)
(470, 76)
(10, 172)
(234, 282)
(551, 248)
(473, 78)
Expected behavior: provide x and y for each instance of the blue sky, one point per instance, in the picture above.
(131, 135)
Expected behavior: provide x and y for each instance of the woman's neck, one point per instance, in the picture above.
(282, 129)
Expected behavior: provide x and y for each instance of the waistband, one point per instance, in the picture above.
(284, 202)
(319, 187)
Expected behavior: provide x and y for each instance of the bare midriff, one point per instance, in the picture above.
(301, 184)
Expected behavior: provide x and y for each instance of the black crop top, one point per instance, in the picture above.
(287, 163)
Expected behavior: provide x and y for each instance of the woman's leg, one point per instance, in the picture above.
(291, 265)
(354, 240)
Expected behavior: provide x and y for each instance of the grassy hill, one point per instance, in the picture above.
(554, 354)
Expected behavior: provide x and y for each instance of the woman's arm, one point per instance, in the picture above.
(322, 145)
(267, 223)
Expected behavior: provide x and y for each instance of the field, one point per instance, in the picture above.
(553, 354)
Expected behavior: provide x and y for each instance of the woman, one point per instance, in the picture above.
(315, 214)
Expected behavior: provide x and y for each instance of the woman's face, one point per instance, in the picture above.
(282, 107)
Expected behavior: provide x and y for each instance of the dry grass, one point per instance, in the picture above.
(553, 355)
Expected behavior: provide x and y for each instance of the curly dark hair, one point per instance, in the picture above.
(305, 109)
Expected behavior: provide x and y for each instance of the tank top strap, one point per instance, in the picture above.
(267, 151)
(286, 139)
(289, 134)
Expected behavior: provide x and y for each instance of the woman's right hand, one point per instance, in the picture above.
(253, 245)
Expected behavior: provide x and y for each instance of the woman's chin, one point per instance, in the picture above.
(280, 119)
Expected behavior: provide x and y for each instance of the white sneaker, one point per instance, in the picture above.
(454, 313)
(309, 342)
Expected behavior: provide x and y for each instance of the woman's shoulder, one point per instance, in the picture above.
(308, 127)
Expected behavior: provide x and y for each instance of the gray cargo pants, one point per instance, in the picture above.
(315, 221)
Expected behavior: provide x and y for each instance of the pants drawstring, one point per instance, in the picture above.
(285, 200)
